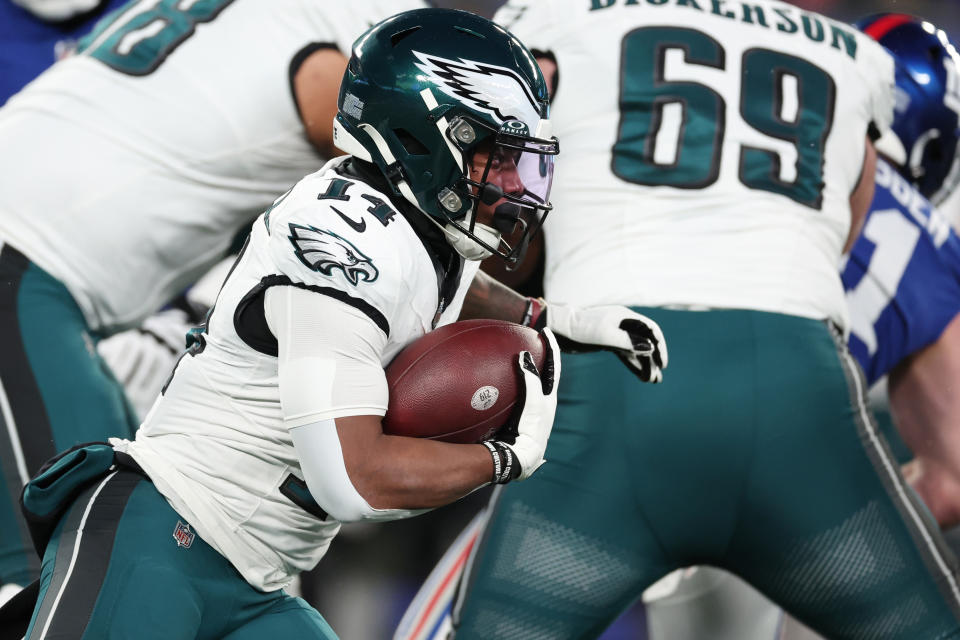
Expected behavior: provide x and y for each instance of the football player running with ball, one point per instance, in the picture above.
(268, 435)
(128, 169)
(718, 163)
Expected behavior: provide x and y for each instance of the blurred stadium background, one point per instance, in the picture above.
(372, 571)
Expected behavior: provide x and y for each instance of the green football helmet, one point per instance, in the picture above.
(453, 110)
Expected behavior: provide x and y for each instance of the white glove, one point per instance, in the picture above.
(141, 359)
(636, 339)
(518, 450)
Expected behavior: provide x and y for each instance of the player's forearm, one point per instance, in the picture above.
(862, 195)
(488, 298)
(356, 472)
(925, 402)
(411, 473)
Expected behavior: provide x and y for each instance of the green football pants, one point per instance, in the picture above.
(756, 454)
(55, 392)
(123, 564)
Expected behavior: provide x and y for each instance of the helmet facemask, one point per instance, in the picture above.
(502, 198)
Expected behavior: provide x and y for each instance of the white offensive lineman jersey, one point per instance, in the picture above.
(709, 150)
(128, 168)
(215, 444)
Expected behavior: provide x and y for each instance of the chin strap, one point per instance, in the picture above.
(467, 246)
(949, 183)
(463, 244)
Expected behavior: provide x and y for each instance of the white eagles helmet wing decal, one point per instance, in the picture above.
(491, 88)
(324, 251)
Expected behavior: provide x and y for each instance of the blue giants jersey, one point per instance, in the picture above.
(902, 278)
(29, 45)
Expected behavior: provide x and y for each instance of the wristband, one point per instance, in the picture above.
(533, 312)
(506, 467)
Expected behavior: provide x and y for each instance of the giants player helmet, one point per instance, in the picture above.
(927, 113)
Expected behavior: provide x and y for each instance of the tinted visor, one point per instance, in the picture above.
(534, 161)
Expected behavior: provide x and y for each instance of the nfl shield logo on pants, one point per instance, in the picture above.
(183, 535)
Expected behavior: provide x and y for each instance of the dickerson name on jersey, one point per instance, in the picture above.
(786, 20)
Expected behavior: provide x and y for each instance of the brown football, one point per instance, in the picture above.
(460, 382)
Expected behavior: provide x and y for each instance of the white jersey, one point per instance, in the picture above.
(127, 169)
(215, 445)
(709, 149)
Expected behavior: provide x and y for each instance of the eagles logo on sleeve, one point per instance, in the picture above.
(324, 251)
